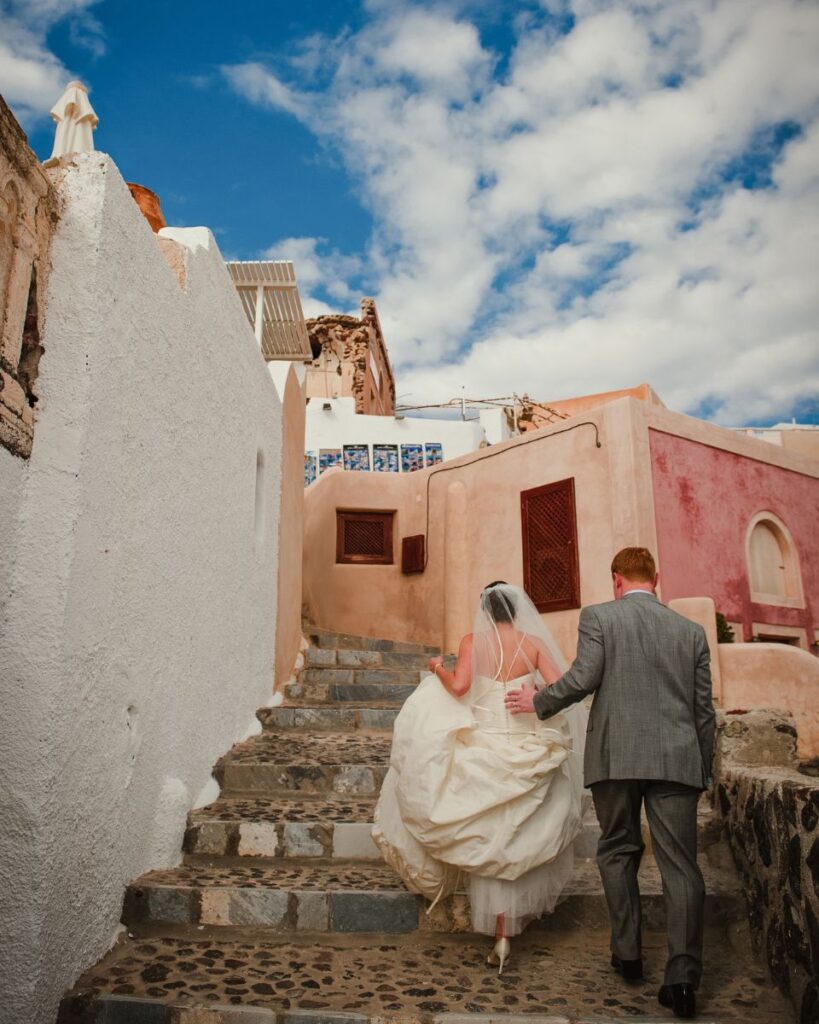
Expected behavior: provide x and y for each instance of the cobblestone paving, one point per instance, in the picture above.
(284, 809)
(371, 876)
(566, 976)
(278, 874)
(307, 751)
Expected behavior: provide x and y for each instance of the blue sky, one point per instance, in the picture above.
(555, 197)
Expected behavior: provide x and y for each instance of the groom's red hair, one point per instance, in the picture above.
(636, 564)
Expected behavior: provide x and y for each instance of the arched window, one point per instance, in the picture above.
(773, 564)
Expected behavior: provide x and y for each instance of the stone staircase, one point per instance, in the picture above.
(282, 911)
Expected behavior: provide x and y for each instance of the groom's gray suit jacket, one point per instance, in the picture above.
(652, 716)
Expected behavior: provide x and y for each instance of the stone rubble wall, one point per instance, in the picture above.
(771, 812)
(28, 212)
(345, 345)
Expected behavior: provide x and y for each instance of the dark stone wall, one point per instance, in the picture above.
(771, 815)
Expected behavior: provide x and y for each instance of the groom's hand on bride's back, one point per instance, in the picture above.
(520, 702)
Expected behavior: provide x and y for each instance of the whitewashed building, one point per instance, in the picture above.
(338, 437)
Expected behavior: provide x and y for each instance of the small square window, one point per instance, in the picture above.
(364, 538)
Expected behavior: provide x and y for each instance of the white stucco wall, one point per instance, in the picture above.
(495, 425)
(139, 599)
(11, 476)
(339, 425)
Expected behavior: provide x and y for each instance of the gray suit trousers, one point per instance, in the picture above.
(671, 809)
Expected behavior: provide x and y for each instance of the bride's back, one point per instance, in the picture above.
(505, 653)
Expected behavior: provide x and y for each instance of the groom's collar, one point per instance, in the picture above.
(650, 593)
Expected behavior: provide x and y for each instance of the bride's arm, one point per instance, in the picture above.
(459, 681)
(546, 666)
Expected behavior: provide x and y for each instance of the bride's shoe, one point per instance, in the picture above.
(500, 954)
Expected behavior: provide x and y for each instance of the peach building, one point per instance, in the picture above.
(533, 415)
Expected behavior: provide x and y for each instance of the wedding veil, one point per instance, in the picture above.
(500, 604)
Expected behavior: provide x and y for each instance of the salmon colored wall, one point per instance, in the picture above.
(291, 528)
(475, 529)
(774, 676)
(705, 497)
(761, 675)
(575, 406)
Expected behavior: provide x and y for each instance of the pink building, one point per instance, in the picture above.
(741, 528)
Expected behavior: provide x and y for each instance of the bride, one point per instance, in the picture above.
(476, 791)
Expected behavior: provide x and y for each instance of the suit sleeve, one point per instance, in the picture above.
(704, 717)
(585, 674)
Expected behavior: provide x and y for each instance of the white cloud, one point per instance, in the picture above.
(257, 84)
(568, 226)
(329, 269)
(31, 76)
(433, 49)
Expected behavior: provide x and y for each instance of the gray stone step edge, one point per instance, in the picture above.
(149, 907)
(347, 641)
(385, 676)
(339, 840)
(332, 718)
(339, 693)
(328, 657)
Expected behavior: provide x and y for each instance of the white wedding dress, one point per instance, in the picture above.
(474, 792)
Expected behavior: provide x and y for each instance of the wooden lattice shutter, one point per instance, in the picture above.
(412, 553)
(364, 538)
(551, 575)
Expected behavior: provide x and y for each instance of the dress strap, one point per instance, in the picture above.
(512, 662)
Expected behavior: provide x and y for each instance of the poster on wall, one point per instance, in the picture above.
(412, 457)
(329, 458)
(435, 453)
(385, 458)
(310, 467)
(357, 457)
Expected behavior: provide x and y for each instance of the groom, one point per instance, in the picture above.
(650, 740)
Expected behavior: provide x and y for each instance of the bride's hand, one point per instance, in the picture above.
(520, 702)
(435, 662)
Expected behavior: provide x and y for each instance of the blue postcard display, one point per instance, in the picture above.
(329, 458)
(412, 457)
(357, 457)
(434, 453)
(310, 468)
(385, 458)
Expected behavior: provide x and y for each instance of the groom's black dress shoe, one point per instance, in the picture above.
(679, 998)
(631, 970)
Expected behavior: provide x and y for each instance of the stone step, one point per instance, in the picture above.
(348, 764)
(305, 827)
(389, 676)
(280, 896)
(339, 767)
(328, 657)
(350, 717)
(552, 978)
(346, 641)
(359, 693)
